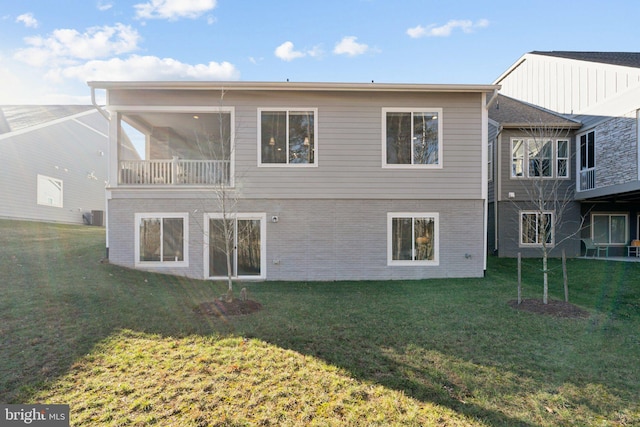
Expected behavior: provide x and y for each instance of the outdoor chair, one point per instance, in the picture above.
(589, 245)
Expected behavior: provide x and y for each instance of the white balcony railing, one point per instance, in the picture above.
(587, 179)
(174, 172)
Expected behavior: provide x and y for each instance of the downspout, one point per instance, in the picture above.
(497, 187)
(485, 172)
(107, 193)
(485, 142)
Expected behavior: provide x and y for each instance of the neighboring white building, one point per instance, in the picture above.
(54, 163)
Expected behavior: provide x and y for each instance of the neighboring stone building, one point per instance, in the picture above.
(601, 90)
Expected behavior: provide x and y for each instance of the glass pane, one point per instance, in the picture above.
(399, 138)
(402, 239)
(517, 154)
(545, 228)
(601, 228)
(540, 155)
(217, 249)
(172, 239)
(563, 171)
(618, 229)
(563, 149)
(529, 229)
(424, 238)
(216, 133)
(274, 136)
(249, 247)
(132, 143)
(591, 148)
(150, 239)
(583, 152)
(301, 137)
(425, 138)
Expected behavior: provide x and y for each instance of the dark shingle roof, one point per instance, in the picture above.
(625, 59)
(513, 113)
(16, 117)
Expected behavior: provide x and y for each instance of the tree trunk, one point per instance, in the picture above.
(519, 278)
(564, 276)
(545, 295)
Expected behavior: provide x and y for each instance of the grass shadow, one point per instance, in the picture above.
(449, 342)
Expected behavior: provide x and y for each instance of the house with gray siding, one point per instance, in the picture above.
(531, 181)
(322, 181)
(601, 90)
(54, 163)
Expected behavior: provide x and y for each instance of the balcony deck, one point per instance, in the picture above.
(174, 172)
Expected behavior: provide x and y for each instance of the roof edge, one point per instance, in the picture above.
(321, 86)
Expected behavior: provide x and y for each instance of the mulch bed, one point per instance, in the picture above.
(552, 308)
(228, 308)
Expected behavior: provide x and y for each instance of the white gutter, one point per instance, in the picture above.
(107, 193)
(295, 86)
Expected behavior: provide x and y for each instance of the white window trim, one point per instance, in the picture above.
(609, 215)
(554, 159)
(553, 229)
(38, 189)
(263, 244)
(558, 158)
(579, 151)
(436, 239)
(162, 215)
(287, 164)
(412, 110)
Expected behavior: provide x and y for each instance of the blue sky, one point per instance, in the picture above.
(49, 49)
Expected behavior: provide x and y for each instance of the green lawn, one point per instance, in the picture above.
(123, 347)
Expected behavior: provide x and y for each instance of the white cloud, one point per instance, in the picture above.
(28, 20)
(286, 52)
(173, 9)
(349, 46)
(467, 26)
(67, 45)
(104, 5)
(145, 68)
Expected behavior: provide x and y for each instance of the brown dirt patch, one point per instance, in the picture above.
(228, 308)
(552, 308)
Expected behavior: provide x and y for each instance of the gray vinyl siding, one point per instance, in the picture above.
(507, 209)
(567, 234)
(519, 185)
(319, 239)
(349, 143)
(67, 151)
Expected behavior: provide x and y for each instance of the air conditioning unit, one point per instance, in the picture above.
(97, 218)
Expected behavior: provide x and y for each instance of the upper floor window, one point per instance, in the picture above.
(539, 158)
(412, 137)
(588, 150)
(287, 137)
